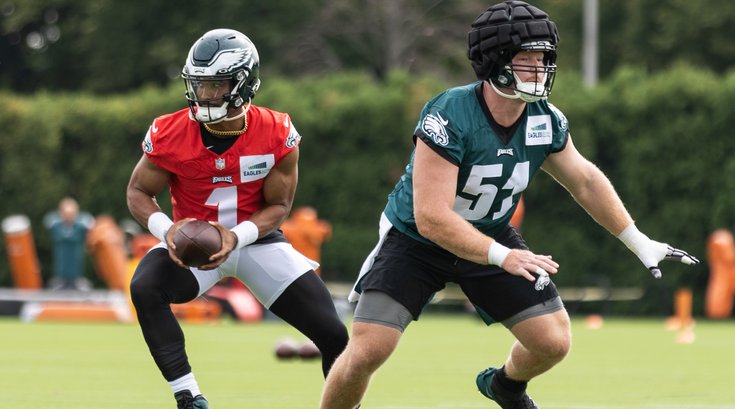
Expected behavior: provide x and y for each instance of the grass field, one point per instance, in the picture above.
(624, 365)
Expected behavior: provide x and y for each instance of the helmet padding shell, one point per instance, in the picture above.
(503, 30)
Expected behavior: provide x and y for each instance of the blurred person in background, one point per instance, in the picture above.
(447, 220)
(68, 228)
(235, 165)
(307, 233)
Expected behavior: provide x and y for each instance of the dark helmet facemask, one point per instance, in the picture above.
(528, 91)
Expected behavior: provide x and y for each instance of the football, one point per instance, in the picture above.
(196, 241)
(286, 348)
(308, 350)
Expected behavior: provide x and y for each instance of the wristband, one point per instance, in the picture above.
(158, 225)
(497, 253)
(246, 232)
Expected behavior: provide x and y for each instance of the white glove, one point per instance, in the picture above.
(542, 280)
(651, 252)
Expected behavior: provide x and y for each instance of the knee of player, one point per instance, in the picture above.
(333, 338)
(142, 292)
(365, 360)
(561, 348)
(552, 344)
(556, 345)
(137, 293)
(339, 337)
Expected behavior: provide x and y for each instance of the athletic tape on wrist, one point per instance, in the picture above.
(633, 238)
(158, 225)
(246, 232)
(497, 253)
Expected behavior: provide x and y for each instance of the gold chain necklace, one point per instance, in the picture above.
(229, 133)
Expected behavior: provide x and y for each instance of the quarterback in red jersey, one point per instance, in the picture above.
(227, 187)
(235, 165)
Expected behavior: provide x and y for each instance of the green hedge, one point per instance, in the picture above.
(662, 139)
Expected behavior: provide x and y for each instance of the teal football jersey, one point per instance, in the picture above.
(495, 163)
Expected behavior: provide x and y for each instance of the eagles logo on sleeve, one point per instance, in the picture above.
(148, 143)
(434, 126)
(563, 123)
(293, 137)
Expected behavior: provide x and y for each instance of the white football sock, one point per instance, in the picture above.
(186, 382)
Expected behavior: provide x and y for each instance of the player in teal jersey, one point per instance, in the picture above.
(494, 163)
(447, 220)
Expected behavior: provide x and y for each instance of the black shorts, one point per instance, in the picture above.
(411, 272)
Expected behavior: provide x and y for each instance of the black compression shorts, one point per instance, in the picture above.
(411, 272)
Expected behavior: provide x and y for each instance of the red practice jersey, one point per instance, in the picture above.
(226, 188)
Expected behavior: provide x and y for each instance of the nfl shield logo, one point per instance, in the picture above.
(219, 163)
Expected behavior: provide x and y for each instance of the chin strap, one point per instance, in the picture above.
(238, 116)
(224, 118)
(526, 91)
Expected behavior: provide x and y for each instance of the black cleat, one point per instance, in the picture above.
(184, 400)
(484, 384)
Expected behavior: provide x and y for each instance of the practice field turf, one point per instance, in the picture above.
(626, 364)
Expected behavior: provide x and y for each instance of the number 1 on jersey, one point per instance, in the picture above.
(225, 200)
